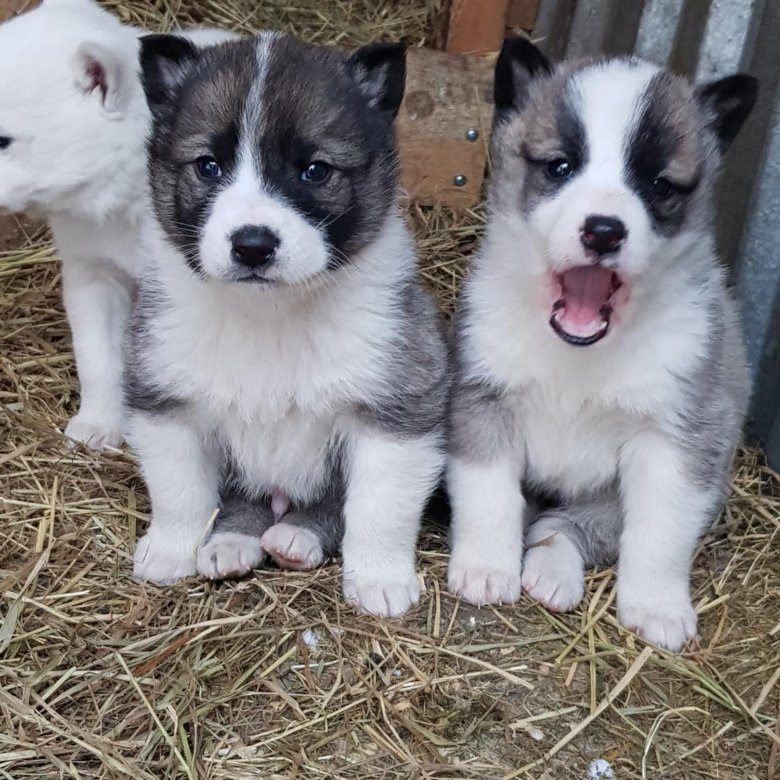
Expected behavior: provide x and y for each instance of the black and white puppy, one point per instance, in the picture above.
(600, 369)
(286, 364)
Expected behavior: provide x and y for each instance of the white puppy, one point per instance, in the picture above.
(73, 124)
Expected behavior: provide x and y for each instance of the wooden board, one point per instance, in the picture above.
(522, 14)
(476, 26)
(446, 97)
(11, 7)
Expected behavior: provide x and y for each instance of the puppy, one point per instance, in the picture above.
(600, 377)
(286, 364)
(73, 121)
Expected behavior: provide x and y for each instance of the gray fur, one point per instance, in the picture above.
(481, 424)
(593, 522)
(716, 396)
(253, 517)
(241, 515)
(418, 402)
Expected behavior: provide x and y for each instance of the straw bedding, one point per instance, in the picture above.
(274, 677)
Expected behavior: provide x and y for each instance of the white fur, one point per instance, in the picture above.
(608, 101)
(78, 158)
(486, 530)
(664, 517)
(276, 374)
(553, 569)
(302, 251)
(293, 547)
(183, 480)
(229, 554)
(389, 480)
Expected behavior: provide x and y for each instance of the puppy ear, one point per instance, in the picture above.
(98, 69)
(727, 103)
(380, 71)
(518, 64)
(165, 61)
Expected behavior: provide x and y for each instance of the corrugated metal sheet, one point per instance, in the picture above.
(706, 39)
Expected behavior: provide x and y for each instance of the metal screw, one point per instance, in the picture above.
(459, 180)
(472, 134)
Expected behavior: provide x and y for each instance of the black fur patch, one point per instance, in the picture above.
(572, 147)
(653, 145)
(314, 109)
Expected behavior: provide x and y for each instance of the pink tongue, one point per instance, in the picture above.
(585, 291)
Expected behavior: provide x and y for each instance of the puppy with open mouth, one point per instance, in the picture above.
(600, 382)
(286, 366)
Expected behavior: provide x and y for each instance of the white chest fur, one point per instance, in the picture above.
(571, 448)
(274, 374)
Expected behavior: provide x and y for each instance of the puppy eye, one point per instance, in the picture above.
(662, 188)
(559, 169)
(316, 172)
(208, 168)
(5, 141)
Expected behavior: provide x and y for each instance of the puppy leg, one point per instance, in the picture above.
(389, 479)
(665, 513)
(97, 302)
(487, 530)
(234, 547)
(561, 543)
(182, 476)
(483, 479)
(303, 538)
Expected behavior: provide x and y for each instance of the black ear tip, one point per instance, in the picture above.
(170, 47)
(378, 53)
(518, 63)
(516, 48)
(740, 85)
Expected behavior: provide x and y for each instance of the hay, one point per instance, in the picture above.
(273, 677)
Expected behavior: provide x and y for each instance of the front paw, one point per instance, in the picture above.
(95, 431)
(661, 614)
(162, 560)
(482, 581)
(387, 594)
(293, 547)
(226, 554)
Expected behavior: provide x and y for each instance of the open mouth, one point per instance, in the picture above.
(584, 299)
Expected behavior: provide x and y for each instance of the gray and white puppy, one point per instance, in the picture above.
(600, 370)
(286, 364)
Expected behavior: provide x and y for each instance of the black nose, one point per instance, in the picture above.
(603, 234)
(253, 246)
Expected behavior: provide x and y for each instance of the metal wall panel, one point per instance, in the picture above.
(708, 39)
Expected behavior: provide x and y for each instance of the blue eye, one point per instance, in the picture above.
(316, 172)
(559, 169)
(208, 167)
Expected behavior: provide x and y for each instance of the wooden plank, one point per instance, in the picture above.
(521, 14)
(476, 26)
(11, 7)
(446, 97)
